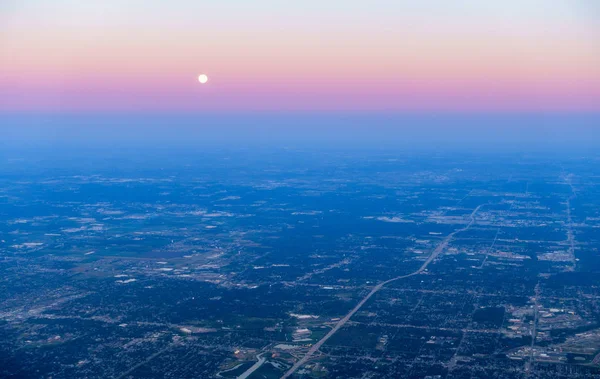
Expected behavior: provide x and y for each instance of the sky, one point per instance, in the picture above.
(71, 56)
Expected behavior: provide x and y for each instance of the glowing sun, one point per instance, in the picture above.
(203, 78)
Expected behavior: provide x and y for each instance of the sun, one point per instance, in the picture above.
(203, 78)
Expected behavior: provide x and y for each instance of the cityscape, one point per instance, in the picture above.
(302, 264)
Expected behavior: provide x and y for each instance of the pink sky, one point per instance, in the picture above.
(273, 57)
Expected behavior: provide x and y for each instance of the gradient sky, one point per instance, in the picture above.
(310, 55)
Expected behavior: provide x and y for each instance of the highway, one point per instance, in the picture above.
(434, 254)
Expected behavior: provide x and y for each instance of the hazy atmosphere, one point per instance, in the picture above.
(300, 189)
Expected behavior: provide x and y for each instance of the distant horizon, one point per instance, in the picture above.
(522, 131)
